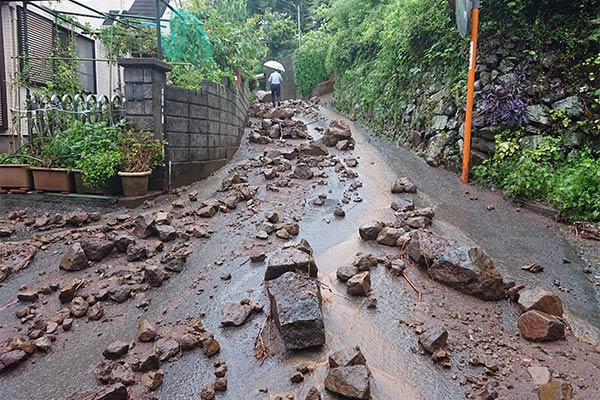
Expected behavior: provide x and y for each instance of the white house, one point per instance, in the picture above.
(44, 20)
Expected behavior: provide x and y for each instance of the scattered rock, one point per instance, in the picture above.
(365, 262)
(27, 296)
(207, 393)
(339, 212)
(464, 268)
(351, 382)
(556, 390)
(539, 375)
(79, 307)
(144, 226)
(303, 171)
(434, 338)
(291, 259)
(388, 236)
(220, 385)
(237, 314)
(136, 252)
(359, 284)
(145, 360)
(207, 211)
(74, 258)
(152, 379)
(122, 242)
(146, 331)
(167, 348)
(538, 326)
(115, 350)
(11, 359)
(313, 394)
(297, 377)
(346, 272)
(403, 205)
(347, 357)
(296, 308)
(154, 275)
(96, 249)
(118, 391)
(166, 233)
(95, 312)
(370, 230)
(540, 299)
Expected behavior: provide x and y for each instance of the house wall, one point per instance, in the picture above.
(203, 128)
(107, 76)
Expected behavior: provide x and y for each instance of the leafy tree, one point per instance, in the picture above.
(279, 33)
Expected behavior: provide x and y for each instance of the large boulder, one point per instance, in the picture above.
(338, 130)
(351, 382)
(540, 299)
(291, 259)
(389, 235)
(464, 268)
(296, 308)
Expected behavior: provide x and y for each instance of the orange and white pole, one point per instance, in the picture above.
(470, 91)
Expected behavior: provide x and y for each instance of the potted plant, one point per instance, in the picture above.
(140, 154)
(50, 162)
(98, 159)
(14, 172)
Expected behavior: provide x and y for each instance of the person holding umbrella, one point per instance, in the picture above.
(275, 80)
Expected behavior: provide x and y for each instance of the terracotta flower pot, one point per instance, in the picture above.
(15, 176)
(112, 187)
(53, 179)
(135, 183)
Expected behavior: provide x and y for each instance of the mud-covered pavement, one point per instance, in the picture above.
(483, 342)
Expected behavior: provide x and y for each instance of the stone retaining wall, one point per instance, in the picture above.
(203, 128)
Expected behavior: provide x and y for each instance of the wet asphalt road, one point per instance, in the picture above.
(511, 238)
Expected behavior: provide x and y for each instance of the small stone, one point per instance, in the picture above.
(556, 390)
(539, 375)
(67, 324)
(347, 357)
(262, 235)
(370, 230)
(146, 331)
(303, 171)
(372, 302)
(221, 370)
(272, 217)
(136, 252)
(351, 382)
(27, 296)
(122, 242)
(207, 393)
(346, 272)
(11, 359)
(220, 384)
(434, 338)
(166, 233)
(152, 379)
(22, 312)
(95, 312)
(297, 377)
(154, 275)
(207, 211)
(145, 360)
(74, 258)
(339, 212)
(144, 226)
(313, 394)
(193, 195)
(116, 350)
(96, 249)
(78, 307)
(167, 348)
(67, 293)
(540, 299)
(43, 344)
(282, 234)
(359, 284)
(538, 326)
(258, 257)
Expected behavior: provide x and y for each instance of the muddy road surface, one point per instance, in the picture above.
(170, 301)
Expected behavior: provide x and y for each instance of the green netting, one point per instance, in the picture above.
(188, 41)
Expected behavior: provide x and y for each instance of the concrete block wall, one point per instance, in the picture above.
(203, 128)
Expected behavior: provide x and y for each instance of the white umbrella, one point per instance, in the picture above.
(275, 65)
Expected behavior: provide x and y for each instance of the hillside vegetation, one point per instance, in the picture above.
(400, 67)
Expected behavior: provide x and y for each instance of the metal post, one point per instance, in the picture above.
(470, 92)
(158, 38)
(25, 47)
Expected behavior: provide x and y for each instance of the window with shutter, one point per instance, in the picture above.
(41, 33)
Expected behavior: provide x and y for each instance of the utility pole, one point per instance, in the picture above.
(158, 36)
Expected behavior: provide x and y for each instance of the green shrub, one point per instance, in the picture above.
(309, 61)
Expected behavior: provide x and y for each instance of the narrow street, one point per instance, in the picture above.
(484, 345)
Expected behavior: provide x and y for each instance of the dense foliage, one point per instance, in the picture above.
(309, 61)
